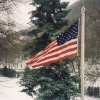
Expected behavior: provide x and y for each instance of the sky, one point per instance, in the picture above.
(22, 13)
(71, 1)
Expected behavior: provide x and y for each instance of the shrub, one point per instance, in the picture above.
(7, 72)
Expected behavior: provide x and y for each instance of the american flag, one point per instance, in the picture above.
(63, 47)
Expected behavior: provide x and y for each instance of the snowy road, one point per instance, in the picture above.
(10, 90)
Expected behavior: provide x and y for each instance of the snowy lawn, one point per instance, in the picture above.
(87, 98)
(10, 90)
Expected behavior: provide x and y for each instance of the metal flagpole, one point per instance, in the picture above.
(82, 50)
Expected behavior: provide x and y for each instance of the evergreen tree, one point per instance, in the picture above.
(54, 81)
(48, 19)
(7, 72)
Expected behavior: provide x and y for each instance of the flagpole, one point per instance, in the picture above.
(82, 50)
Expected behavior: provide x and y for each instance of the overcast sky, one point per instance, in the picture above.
(24, 9)
(71, 1)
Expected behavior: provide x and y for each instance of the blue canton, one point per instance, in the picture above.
(69, 34)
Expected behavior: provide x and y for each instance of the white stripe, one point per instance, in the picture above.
(51, 49)
(63, 44)
(50, 46)
(29, 60)
(55, 58)
(57, 52)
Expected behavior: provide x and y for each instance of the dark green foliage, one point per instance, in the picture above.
(90, 91)
(53, 82)
(39, 44)
(49, 14)
(8, 72)
(5, 71)
(93, 91)
(26, 71)
(48, 19)
(96, 91)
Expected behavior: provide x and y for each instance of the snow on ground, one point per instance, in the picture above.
(90, 98)
(87, 98)
(10, 90)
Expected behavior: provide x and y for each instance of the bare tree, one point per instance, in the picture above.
(92, 39)
(10, 47)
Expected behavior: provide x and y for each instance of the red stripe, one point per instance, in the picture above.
(57, 55)
(62, 47)
(54, 61)
(34, 58)
(48, 47)
(51, 44)
(52, 51)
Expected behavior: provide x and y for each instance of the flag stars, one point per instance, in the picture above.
(67, 35)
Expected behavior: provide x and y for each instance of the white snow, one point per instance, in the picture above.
(87, 98)
(10, 90)
(90, 98)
